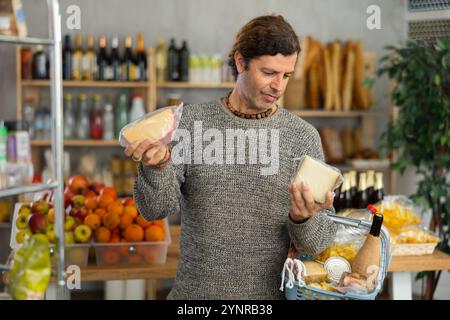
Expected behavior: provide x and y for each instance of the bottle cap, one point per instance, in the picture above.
(372, 208)
(335, 267)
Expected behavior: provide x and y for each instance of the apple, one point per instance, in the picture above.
(128, 201)
(39, 237)
(22, 221)
(40, 206)
(69, 224)
(51, 234)
(25, 210)
(37, 223)
(80, 213)
(77, 201)
(22, 235)
(51, 216)
(96, 187)
(83, 233)
(77, 184)
(69, 237)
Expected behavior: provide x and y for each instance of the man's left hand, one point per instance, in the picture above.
(303, 205)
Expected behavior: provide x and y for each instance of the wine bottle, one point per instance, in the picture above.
(184, 62)
(172, 63)
(369, 254)
(141, 60)
(345, 200)
(77, 57)
(336, 200)
(353, 185)
(67, 58)
(115, 68)
(161, 60)
(361, 199)
(102, 59)
(370, 185)
(378, 194)
(89, 61)
(128, 66)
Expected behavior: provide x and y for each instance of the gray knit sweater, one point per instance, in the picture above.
(235, 230)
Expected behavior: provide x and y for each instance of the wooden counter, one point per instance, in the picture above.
(437, 261)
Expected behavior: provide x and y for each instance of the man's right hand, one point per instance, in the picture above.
(147, 153)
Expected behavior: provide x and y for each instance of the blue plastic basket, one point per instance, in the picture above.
(299, 292)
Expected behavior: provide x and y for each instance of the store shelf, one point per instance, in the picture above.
(27, 189)
(78, 143)
(88, 84)
(25, 41)
(331, 114)
(192, 85)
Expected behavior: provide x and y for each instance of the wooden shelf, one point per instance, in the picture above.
(89, 84)
(331, 114)
(192, 85)
(78, 143)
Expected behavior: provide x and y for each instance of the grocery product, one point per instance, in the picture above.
(320, 177)
(156, 126)
(315, 272)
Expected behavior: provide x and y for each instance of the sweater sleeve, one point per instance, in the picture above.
(157, 192)
(316, 234)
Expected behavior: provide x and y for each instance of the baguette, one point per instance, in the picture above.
(360, 95)
(336, 75)
(322, 73)
(313, 79)
(303, 59)
(347, 88)
(328, 79)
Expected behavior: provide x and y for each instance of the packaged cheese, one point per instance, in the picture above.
(315, 272)
(157, 126)
(320, 177)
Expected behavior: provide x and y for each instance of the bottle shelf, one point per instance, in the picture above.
(195, 85)
(78, 143)
(89, 84)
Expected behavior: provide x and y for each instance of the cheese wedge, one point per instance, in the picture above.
(153, 128)
(318, 176)
(315, 272)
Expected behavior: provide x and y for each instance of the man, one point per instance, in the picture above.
(238, 219)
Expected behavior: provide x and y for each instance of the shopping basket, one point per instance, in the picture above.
(298, 290)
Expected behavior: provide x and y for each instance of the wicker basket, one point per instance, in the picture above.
(413, 249)
(299, 291)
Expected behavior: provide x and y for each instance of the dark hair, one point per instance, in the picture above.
(264, 35)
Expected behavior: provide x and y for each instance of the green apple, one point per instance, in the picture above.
(70, 223)
(78, 201)
(69, 237)
(22, 235)
(82, 233)
(40, 237)
(24, 210)
(51, 234)
(22, 221)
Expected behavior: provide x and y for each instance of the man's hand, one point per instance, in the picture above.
(303, 205)
(147, 153)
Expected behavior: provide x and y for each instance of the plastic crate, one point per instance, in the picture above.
(74, 254)
(304, 292)
(133, 253)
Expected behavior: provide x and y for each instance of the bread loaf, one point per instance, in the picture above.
(360, 94)
(336, 67)
(313, 78)
(332, 144)
(347, 84)
(347, 143)
(329, 96)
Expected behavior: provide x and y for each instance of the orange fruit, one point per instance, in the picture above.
(111, 220)
(110, 256)
(102, 234)
(93, 221)
(159, 223)
(115, 238)
(142, 222)
(104, 201)
(129, 201)
(115, 207)
(90, 194)
(133, 233)
(109, 191)
(125, 221)
(90, 203)
(100, 212)
(154, 233)
(131, 211)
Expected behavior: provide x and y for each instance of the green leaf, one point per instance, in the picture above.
(443, 140)
(437, 79)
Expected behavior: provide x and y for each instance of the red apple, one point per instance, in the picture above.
(96, 187)
(80, 213)
(40, 206)
(128, 201)
(37, 223)
(77, 184)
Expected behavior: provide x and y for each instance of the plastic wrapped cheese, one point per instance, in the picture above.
(320, 177)
(157, 126)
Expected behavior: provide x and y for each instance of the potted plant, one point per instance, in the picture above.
(420, 136)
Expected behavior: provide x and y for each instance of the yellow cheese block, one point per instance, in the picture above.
(318, 176)
(315, 272)
(152, 128)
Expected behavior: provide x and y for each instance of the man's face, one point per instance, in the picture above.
(265, 79)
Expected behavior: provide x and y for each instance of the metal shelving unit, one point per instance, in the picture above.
(54, 44)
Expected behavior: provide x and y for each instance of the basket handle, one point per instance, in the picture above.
(349, 221)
